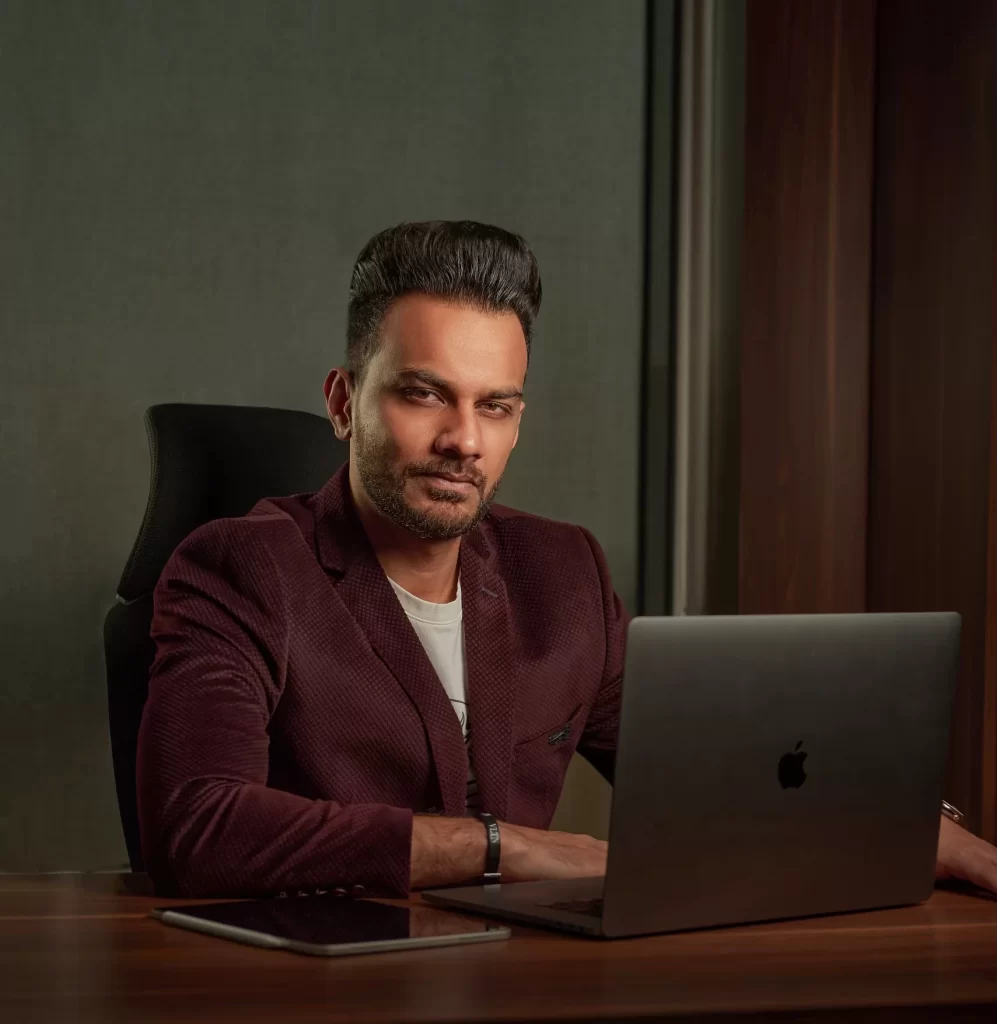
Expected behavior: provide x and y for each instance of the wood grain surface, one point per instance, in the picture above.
(808, 179)
(934, 331)
(83, 948)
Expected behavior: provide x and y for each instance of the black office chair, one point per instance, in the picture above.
(208, 462)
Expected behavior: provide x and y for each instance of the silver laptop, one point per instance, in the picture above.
(767, 767)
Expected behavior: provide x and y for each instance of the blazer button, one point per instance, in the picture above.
(339, 891)
(356, 891)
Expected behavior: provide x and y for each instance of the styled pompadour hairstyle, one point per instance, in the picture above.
(461, 261)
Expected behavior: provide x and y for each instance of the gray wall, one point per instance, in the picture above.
(183, 189)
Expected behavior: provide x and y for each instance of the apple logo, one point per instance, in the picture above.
(791, 773)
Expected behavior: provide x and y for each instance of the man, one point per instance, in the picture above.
(345, 680)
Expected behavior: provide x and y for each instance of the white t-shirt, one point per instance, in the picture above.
(440, 627)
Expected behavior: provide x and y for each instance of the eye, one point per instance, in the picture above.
(495, 408)
(420, 395)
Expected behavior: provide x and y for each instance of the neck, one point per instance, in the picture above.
(425, 568)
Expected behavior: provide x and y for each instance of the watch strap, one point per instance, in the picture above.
(492, 875)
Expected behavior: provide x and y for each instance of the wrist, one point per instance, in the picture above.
(513, 850)
(446, 851)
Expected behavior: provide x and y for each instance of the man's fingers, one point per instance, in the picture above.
(981, 864)
(964, 855)
(988, 871)
(983, 875)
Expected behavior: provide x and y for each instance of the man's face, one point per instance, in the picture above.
(438, 413)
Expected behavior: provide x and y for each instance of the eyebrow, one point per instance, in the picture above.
(435, 381)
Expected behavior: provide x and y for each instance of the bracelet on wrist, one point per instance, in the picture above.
(953, 813)
(492, 874)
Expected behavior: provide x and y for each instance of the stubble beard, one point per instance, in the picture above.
(386, 489)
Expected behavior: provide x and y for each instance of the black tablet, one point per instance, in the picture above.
(331, 925)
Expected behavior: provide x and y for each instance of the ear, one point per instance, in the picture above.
(522, 407)
(338, 390)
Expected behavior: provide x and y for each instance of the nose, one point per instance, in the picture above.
(460, 437)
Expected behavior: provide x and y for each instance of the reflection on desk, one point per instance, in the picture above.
(82, 948)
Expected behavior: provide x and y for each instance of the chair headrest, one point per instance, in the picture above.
(215, 461)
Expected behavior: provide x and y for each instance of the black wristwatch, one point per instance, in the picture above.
(492, 875)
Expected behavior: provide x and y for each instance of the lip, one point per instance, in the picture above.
(447, 480)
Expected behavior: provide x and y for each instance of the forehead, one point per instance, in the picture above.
(459, 343)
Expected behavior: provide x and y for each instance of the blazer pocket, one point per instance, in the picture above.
(555, 736)
(540, 762)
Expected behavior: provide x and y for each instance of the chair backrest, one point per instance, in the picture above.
(208, 462)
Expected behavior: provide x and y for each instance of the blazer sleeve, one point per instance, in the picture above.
(598, 742)
(210, 826)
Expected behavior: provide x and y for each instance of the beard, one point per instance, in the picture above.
(385, 486)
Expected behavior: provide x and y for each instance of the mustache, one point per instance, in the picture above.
(437, 468)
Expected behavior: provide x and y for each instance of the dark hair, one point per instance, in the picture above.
(460, 260)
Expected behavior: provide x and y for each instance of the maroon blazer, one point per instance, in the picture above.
(295, 724)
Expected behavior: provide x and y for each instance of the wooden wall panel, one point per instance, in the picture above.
(934, 330)
(988, 812)
(806, 280)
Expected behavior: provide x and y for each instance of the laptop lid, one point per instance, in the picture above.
(776, 766)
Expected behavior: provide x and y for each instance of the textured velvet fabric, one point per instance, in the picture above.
(295, 724)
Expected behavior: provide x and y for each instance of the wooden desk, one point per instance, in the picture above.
(81, 948)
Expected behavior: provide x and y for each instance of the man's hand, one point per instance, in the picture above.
(963, 855)
(534, 854)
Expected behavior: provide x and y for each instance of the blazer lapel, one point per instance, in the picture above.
(491, 665)
(344, 550)
(368, 596)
